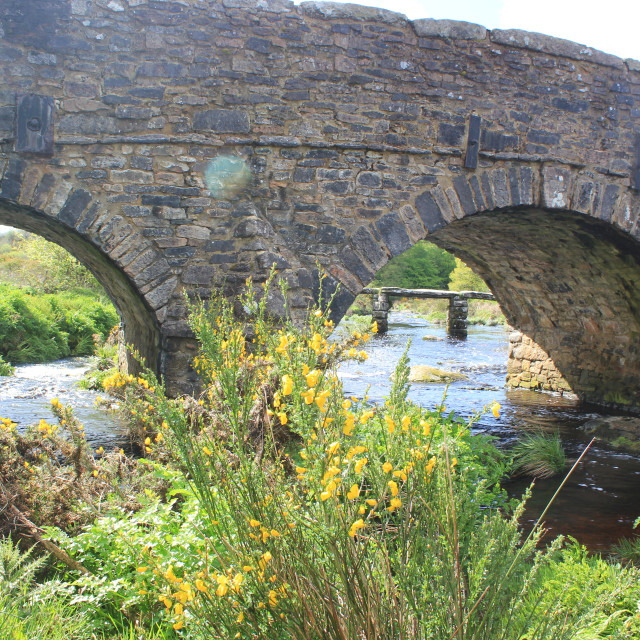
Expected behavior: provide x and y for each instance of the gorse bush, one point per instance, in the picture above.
(327, 517)
(271, 507)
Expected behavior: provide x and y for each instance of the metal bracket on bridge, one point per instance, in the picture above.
(473, 143)
(34, 124)
(636, 174)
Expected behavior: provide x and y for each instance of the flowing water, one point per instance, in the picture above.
(26, 399)
(597, 506)
(601, 499)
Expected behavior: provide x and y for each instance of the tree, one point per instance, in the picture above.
(56, 269)
(464, 279)
(424, 266)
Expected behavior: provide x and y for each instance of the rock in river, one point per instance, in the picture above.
(425, 373)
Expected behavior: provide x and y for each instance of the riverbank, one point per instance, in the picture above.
(44, 327)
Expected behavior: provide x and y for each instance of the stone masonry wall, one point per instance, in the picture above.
(196, 143)
(530, 367)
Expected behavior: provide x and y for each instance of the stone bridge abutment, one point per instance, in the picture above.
(180, 147)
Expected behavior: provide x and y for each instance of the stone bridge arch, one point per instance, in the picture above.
(68, 217)
(196, 143)
(557, 254)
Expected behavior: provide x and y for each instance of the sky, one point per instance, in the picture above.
(611, 26)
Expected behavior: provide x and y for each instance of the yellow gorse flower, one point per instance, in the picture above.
(333, 448)
(356, 526)
(284, 343)
(312, 378)
(360, 464)
(391, 425)
(349, 424)
(354, 451)
(354, 492)
(321, 400)
(287, 385)
(308, 396)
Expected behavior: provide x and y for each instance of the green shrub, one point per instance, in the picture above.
(628, 549)
(5, 368)
(601, 600)
(285, 511)
(43, 327)
(423, 266)
(28, 610)
(462, 278)
(332, 518)
(27, 334)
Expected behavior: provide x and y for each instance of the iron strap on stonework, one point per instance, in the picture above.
(636, 181)
(473, 143)
(34, 124)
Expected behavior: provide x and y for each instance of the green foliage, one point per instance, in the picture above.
(105, 363)
(26, 610)
(599, 599)
(27, 333)
(276, 508)
(462, 278)
(628, 549)
(423, 266)
(539, 455)
(57, 268)
(42, 327)
(5, 368)
(121, 548)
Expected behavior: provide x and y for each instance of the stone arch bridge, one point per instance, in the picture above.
(182, 145)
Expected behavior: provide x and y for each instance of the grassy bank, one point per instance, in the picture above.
(272, 507)
(40, 327)
(50, 305)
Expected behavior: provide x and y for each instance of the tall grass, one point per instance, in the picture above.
(539, 455)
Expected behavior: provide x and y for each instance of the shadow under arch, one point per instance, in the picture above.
(568, 281)
(138, 322)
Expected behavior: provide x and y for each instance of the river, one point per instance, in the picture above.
(599, 502)
(597, 506)
(26, 398)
